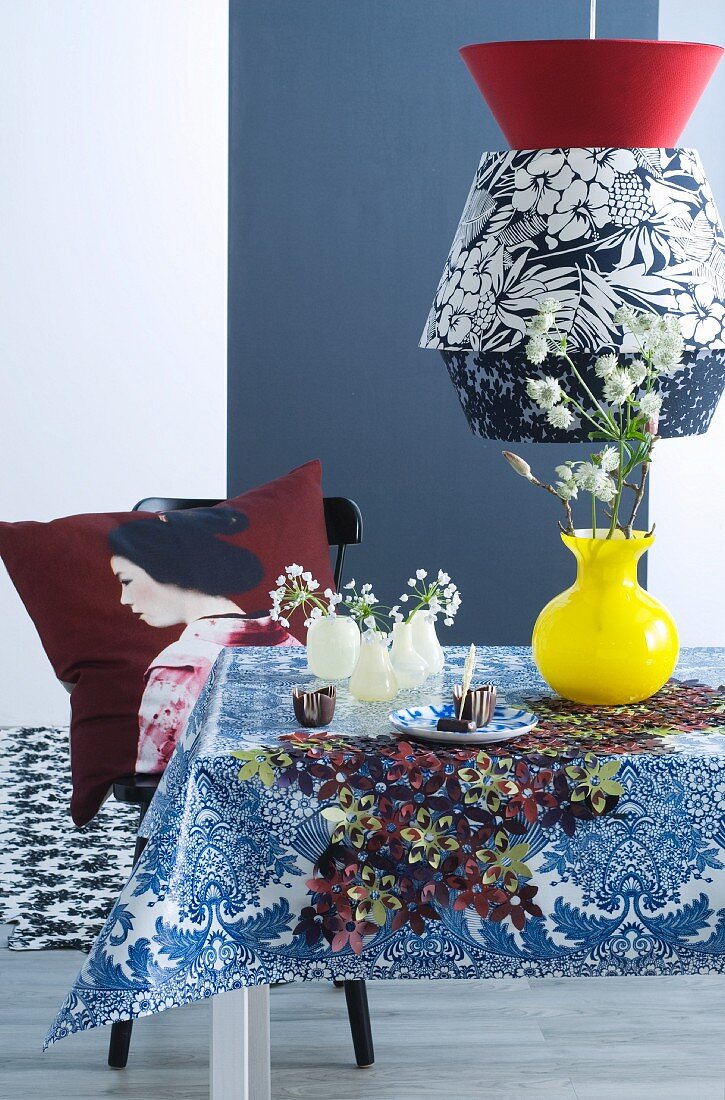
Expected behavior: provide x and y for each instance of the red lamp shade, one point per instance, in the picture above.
(572, 93)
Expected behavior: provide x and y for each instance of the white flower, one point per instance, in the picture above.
(567, 490)
(606, 365)
(592, 479)
(604, 164)
(518, 464)
(605, 491)
(618, 386)
(539, 324)
(650, 405)
(549, 305)
(537, 348)
(533, 389)
(370, 622)
(293, 570)
(551, 393)
(544, 392)
(564, 472)
(307, 576)
(637, 371)
(609, 459)
(559, 417)
(624, 317)
(395, 614)
(283, 622)
(329, 594)
(448, 622)
(640, 323)
(316, 613)
(411, 582)
(404, 598)
(443, 578)
(421, 574)
(280, 580)
(350, 584)
(580, 211)
(667, 360)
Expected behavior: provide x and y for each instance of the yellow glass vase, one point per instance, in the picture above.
(605, 641)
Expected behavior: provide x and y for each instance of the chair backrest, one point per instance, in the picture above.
(343, 520)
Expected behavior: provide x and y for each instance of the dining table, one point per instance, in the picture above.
(592, 844)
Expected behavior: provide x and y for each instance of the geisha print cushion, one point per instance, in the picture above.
(133, 608)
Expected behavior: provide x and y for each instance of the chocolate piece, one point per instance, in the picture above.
(479, 704)
(314, 708)
(455, 725)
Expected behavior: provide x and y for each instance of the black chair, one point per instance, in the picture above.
(344, 528)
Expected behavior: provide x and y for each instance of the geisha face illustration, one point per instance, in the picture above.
(173, 568)
(181, 568)
(157, 604)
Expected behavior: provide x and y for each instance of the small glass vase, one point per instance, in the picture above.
(409, 667)
(333, 646)
(373, 679)
(425, 641)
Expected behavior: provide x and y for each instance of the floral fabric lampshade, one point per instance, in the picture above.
(595, 229)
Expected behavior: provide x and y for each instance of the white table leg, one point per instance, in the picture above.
(239, 1052)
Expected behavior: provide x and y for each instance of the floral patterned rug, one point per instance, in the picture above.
(57, 883)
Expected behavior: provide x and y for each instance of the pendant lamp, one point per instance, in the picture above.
(595, 206)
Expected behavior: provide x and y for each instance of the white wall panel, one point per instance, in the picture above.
(113, 245)
(687, 494)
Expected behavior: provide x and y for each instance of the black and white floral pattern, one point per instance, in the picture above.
(491, 387)
(57, 883)
(595, 229)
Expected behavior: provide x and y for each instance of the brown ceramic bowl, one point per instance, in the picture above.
(314, 708)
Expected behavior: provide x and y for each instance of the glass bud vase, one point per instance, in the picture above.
(373, 679)
(409, 667)
(333, 646)
(425, 641)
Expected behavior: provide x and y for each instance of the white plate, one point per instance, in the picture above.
(420, 722)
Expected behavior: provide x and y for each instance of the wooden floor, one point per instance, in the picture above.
(555, 1039)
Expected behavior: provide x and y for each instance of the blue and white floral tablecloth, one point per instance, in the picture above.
(594, 845)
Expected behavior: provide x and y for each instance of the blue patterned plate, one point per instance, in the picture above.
(420, 722)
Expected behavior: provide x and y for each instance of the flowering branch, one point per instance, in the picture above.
(524, 470)
(625, 418)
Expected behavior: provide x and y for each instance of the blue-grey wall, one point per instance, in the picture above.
(355, 131)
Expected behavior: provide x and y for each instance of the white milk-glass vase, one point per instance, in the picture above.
(409, 667)
(373, 679)
(333, 645)
(425, 641)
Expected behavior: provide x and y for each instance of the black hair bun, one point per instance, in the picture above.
(187, 549)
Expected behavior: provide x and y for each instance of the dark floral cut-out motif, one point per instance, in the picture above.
(677, 708)
(415, 829)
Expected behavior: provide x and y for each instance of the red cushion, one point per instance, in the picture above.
(198, 567)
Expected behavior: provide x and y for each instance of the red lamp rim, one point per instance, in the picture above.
(590, 43)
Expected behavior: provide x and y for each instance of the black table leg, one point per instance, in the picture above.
(119, 1044)
(357, 1010)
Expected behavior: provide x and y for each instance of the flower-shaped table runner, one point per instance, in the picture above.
(593, 845)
